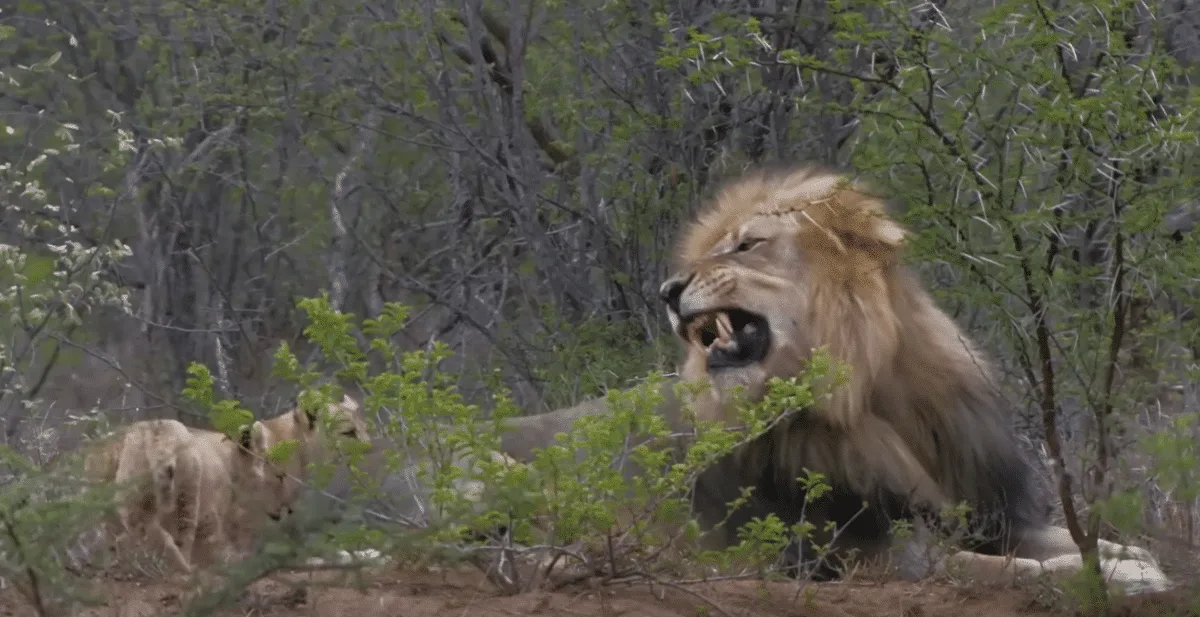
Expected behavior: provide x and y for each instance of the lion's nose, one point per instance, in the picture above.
(672, 289)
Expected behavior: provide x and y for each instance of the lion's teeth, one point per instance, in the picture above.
(724, 327)
(696, 334)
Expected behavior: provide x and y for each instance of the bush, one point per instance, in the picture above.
(568, 513)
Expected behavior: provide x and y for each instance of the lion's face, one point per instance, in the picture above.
(255, 475)
(345, 421)
(342, 421)
(278, 482)
(776, 267)
(315, 436)
(736, 310)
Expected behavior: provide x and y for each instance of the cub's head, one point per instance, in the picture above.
(343, 420)
(255, 480)
(777, 264)
(266, 487)
(314, 435)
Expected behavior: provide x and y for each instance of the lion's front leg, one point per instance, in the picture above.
(1053, 541)
(1133, 575)
(169, 544)
(989, 568)
(188, 499)
(1131, 567)
(211, 544)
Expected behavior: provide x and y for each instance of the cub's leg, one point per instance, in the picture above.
(188, 499)
(148, 465)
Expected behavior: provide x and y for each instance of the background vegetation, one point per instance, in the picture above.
(174, 175)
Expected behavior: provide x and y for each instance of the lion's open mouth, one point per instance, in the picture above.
(732, 338)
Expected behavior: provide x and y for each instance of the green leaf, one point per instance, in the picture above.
(282, 452)
(227, 417)
(38, 268)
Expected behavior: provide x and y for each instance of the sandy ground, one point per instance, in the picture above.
(463, 593)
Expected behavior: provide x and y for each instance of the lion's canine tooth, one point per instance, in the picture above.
(695, 332)
(724, 327)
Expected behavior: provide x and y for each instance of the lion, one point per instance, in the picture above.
(239, 489)
(784, 261)
(100, 455)
(311, 432)
(164, 477)
(271, 497)
(182, 486)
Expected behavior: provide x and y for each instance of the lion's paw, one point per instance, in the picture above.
(1134, 576)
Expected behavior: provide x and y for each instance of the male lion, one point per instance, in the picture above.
(786, 261)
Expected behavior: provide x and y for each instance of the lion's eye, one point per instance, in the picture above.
(747, 244)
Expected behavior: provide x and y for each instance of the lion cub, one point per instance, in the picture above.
(183, 487)
(230, 480)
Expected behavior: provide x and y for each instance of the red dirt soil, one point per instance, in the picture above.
(392, 593)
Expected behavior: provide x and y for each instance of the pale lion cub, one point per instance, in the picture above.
(182, 487)
(230, 478)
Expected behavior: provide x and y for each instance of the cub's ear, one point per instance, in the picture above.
(306, 419)
(254, 438)
(349, 404)
(246, 438)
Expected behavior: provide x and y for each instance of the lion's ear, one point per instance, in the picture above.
(306, 418)
(888, 232)
(254, 437)
(874, 233)
(246, 438)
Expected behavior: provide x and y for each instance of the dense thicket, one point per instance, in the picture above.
(517, 171)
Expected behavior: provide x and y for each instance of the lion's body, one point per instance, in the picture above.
(183, 488)
(163, 473)
(780, 264)
(233, 482)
